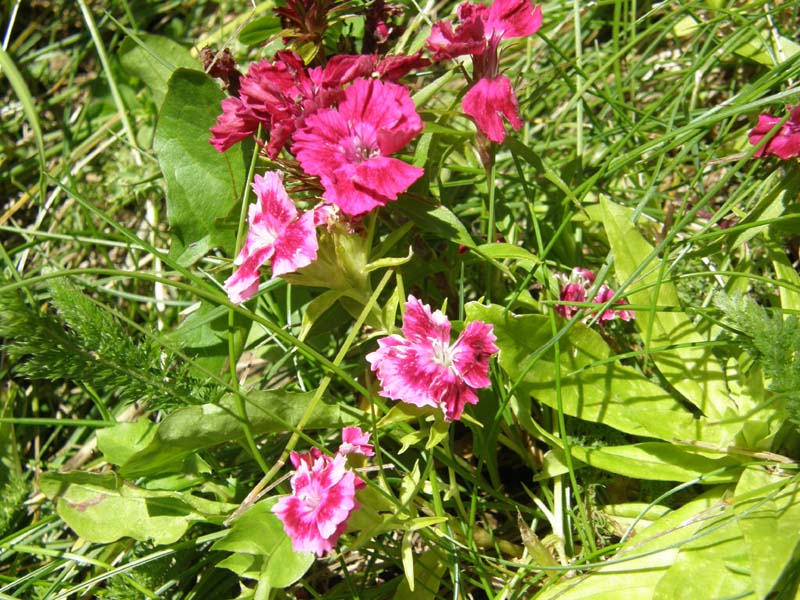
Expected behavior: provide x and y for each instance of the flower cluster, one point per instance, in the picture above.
(576, 289)
(479, 32)
(423, 368)
(342, 122)
(785, 143)
(315, 515)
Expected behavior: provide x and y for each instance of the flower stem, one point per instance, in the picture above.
(256, 492)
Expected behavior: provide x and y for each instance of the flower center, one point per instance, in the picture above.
(442, 353)
(312, 500)
(361, 145)
(265, 237)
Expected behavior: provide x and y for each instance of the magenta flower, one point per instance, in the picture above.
(355, 441)
(576, 289)
(279, 94)
(348, 147)
(234, 124)
(423, 368)
(479, 33)
(315, 515)
(785, 143)
(277, 234)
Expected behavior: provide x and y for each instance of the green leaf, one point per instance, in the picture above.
(260, 30)
(714, 565)
(205, 333)
(153, 59)
(656, 461)
(786, 277)
(438, 220)
(594, 387)
(770, 524)
(104, 508)
(768, 48)
(203, 185)
(637, 568)
(17, 82)
(262, 550)
(676, 345)
(427, 571)
(194, 428)
(503, 251)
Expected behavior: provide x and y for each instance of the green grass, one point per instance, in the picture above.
(630, 109)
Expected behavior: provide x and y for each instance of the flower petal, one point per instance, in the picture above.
(471, 354)
(487, 102)
(514, 18)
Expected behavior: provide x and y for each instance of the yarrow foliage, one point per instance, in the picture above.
(785, 143)
(479, 33)
(278, 233)
(423, 368)
(315, 515)
(576, 289)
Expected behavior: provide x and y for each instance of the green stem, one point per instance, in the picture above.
(112, 84)
(490, 232)
(323, 386)
(233, 350)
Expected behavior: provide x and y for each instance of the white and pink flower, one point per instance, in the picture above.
(355, 441)
(423, 368)
(315, 515)
(277, 234)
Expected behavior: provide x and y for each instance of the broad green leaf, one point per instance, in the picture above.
(770, 523)
(203, 186)
(153, 59)
(194, 428)
(635, 571)
(103, 508)
(786, 277)
(714, 565)
(743, 552)
(657, 461)
(427, 571)
(261, 549)
(260, 30)
(691, 368)
(438, 220)
(594, 387)
(316, 308)
(205, 333)
(768, 48)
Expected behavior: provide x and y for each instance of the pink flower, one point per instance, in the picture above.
(604, 294)
(785, 143)
(498, 94)
(348, 147)
(276, 234)
(355, 441)
(479, 33)
(424, 369)
(315, 515)
(576, 289)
